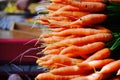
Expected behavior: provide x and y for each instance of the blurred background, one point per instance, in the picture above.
(18, 36)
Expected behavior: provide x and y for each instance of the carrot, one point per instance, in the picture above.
(99, 27)
(54, 6)
(103, 53)
(92, 0)
(56, 1)
(89, 19)
(57, 29)
(59, 61)
(83, 50)
(111, 67)
(52, 39)
(87, 6)
(81, 68)
(49, 76)
(44, 58)
(104, 1)
(118, 72)
(75, 31)
(54, 51)
(58, 18)
(93, 76)
(101, 37)
(68, 8)
(69, 14)
(99, 55)
(42, 22)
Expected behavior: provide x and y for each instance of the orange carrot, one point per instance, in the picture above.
(57, 29)
(89, 19)
(75, 31)
(99, 27)
(59, 61)
(69, 14)
(104, 37)
(118, 72)
(86, 6)
(52, 39)
(104, 1)
(81, 68)
(53, 51)
(93, 76)
(54, 6)
(68, 8)
(49, 76)
(99, 55)
(58, 18)
(83, 50)
(111, 67)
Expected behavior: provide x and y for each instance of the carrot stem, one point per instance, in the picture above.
(116, 44)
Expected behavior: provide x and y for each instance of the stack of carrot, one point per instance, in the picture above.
(76, 46)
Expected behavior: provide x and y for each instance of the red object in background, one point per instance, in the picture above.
(11, 48)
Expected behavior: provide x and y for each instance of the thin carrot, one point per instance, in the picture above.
(54, 51)
(57, 29)
(58, 18)
(76, 31)
(111, 67)
(49, 76)
(103, 37)
(99, 55)
(81, 68)
(118, 72)
(83, 50)
(52, 39)
(54, 6)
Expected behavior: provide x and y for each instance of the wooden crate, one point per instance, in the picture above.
(21, 30)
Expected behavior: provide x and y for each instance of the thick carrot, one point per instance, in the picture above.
(100, 27)
(104, 1)
(87, 6)
(75, 31)
(83, 50)
(89, 19)
(111, 67)
(101, 37)
(52, 39)
(49, 76)
(99, 55)
(69, 14)
(59, 61)
(93, 76)
(81, 68)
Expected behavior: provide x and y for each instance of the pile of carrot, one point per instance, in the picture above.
(76, 44)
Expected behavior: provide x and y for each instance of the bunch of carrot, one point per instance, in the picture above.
(76, 45)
